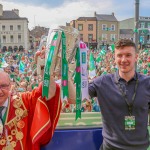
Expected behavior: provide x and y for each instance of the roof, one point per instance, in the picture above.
(10, 15)
(104, 17)
(87, 18)
(126, 31)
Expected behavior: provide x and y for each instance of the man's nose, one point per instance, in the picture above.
(124, 58)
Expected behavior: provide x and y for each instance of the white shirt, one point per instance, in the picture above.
(5, 105)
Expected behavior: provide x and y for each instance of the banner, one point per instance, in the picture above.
(46, 80)
(64, 69)
(84, 73)
(78, 84)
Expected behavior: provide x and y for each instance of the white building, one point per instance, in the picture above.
(14, 31)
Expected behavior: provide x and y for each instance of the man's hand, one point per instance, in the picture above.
(40, 61)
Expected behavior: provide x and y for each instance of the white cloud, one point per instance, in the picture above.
(71, 10)
(60, 15)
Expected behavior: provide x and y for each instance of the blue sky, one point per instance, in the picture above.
(49, 12)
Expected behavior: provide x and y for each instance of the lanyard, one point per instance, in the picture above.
(130, 105)
(4, 117)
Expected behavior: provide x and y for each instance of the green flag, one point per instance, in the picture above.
(21, 67)
(112, 48)
(92, 72)
(91, 62)
(99, 58)
(103, 52)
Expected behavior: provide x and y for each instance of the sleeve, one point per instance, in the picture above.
(42, 123)
(95, 86)
(92, 90)
(54, 106)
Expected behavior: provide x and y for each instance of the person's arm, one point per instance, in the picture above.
(72, 90)
(52, 84)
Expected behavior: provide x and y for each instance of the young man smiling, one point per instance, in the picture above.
(123, 98)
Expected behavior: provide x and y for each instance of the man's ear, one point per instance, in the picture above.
(136, 57)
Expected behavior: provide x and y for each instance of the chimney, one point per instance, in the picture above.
(1, 10)
(113, 14)
(95, 14)
(16, 11)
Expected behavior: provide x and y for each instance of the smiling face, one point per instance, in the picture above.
(125, 58)
(4, 87)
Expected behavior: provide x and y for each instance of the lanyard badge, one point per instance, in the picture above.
(129, 122)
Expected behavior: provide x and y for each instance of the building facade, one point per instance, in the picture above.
(14, 33)
(87, 27)
(107, 29)
(143, 29)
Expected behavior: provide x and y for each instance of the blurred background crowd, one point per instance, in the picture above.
(22, 70)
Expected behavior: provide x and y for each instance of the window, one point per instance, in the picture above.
(90, 37)
(90, 27)
(112, 27)
(81, 37)
(148, 25)
(3, 28)
(11, 39)
(19, 27)
(112, 37)
(4, 39)
(142, 25)
(19, 38)
(80, 27)
(104, 26)
(104, 37)
(11, 27)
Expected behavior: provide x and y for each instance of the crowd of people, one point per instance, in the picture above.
(21, 67)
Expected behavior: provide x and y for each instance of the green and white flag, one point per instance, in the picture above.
(64, 68)
(78, 84)
(52, 45)
(99, 58)
(92, 72)
(112, 48)
(84, 72)
(21, 67)
(103, 52)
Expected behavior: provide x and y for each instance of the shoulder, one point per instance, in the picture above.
(144, 80)
(104, 79)
(143, 77)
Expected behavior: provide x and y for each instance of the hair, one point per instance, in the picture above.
(124, 43)
(1, 71)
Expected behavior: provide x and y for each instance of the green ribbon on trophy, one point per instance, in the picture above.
(78, 84)
(46, 80)
(64, 67)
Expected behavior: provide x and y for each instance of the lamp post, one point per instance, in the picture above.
(136, 23)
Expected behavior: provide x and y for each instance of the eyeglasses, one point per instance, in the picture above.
(4, 86)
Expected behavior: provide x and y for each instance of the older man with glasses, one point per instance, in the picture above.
(27, 121)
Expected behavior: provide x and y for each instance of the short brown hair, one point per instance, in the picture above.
(123, 43)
